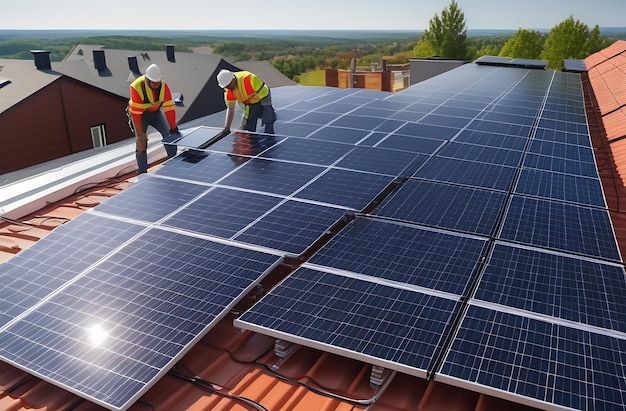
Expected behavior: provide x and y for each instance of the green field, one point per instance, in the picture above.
(313, 78)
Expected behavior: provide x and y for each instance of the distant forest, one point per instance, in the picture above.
(291, 52)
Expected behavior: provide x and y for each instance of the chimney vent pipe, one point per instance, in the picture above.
(42, 59)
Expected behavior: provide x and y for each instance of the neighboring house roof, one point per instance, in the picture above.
(25, 80)
(230, 369)
(189, 74)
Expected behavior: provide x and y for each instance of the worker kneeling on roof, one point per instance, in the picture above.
(252, 94)
(148, 94)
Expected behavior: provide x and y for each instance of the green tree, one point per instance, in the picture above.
(526, 44)
(448, 35)
(570, 39)
(423, 49)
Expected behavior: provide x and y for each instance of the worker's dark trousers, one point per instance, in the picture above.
(258, 111)
(157, 120)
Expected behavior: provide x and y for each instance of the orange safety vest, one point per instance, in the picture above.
(247, 85)
(142, 98)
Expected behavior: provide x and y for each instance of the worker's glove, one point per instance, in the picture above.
(174, 130)
(226, 131)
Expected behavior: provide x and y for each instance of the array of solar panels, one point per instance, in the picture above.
(492, 265)
(477, 248)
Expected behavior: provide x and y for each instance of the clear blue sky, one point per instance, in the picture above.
(302, 14)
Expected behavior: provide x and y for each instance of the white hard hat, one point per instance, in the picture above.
(153, 72)
(224, 77)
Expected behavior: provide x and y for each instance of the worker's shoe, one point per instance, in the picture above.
(142, 161)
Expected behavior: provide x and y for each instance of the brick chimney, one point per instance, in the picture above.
(42, 59)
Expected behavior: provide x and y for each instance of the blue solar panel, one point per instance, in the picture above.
(469, 173)
(560, 226)
(491, 139)
(381, 161)
(548, 363)
(411, 144)
(360, 122)
(563, 136)
(340, 135)
(346, 188)
(151, 199)
(560, 165)
(116, 329)
(556, 186)
(356, 317)
(405, 254)
(201, 166)
(428, 131)
(316, 117)
(308, 151)
(276, 177)
(243, 144)
(222, 212)
(38, 271)
(496, 127)
(439, 205)
(295, 129)
(483, 154)
(561, 286)
(292, 227)
(564, 151)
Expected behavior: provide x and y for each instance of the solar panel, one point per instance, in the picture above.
(381, 161)
(558, 285)
(39, 270)
(346, 188)
(277, 177)
(548, 364)
(354, 317)
(222, 212)
(467, 173)
(292, 227)
(560, 165)
(200, 166)
(464, 209)
(557, 186)
(484, 154)
(109, 334)
(340, 134)
(560, 226)
(404, 254)
(308, 151)
(152, 199)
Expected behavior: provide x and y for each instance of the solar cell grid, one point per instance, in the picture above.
(560, 165)
(340, 134)
(357, 318)
(149, 301)
(549, 363)
(292, 227)
(38, 271)
(151, 199)
(560, 286)
(464, 209)
(428, 131)
(310, 151)
(222, 212)
(564, 151)
(468, 173)
(275, 177)
(557, 186)
(404, 254)
(381, 161)
(484, 154)
(359, 122)
(560, 226)
(201, 166)
(346, 188)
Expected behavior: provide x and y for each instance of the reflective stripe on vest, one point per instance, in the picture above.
(148, 102)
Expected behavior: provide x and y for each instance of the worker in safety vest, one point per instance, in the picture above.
(148, 95)
(252, 94)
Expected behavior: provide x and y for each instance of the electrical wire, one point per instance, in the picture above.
(208, 386)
